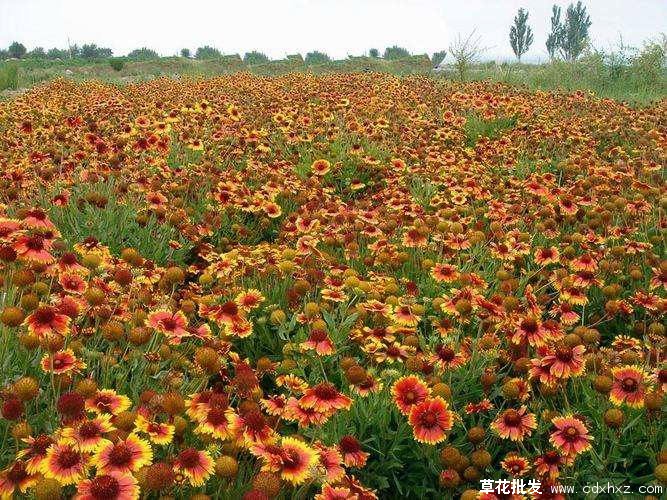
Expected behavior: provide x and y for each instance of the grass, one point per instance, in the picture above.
(476, 127)
(636, 85)
(117, 225)
(9, 76)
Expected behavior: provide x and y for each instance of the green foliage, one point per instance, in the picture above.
(374, 53)
(255, 57)
(316, 57)
(117, 63)
(569, 37)
(143, 54)
(16, 50)
(575, 31)
(185, 53)
(438, 57)
(521, 35)
(466, 52)
(115, 224)
(395, 52)
(37, 53)
(476, 127)
(207, 52)
(650, 62)
(92, 51)
(9, 76)
(556, 33)
(56, 53)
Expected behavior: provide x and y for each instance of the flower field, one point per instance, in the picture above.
(332, 287)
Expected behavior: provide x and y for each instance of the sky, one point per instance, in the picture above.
(337, 27)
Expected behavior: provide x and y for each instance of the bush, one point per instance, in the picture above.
(56, 53)
(16, 50)
(255, 57)
(143, 54)
(465, 51)
(9, 76)
(316, 57)
(396, 52)
(92, 51)
(649, 63)
(37, 53)
(438, 57)
(116, 63)
(207, 52)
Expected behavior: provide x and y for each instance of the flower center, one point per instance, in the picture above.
(17, 473)
(254, 420)
(512, 418)
(326, 391)
(68, 458)
(564, 354)
(120, 454)
(89, 430)
(189, 458)
(349, 444)
(529, 325)
(104, 487)
(35, 243)
(446, 353)
(216, 416)
(230, 308)
(169, 324)
(630, 384)
(571, 432)
(318, 335)
(429, 419)
(44, 315)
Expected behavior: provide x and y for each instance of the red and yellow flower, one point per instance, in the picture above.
(196, 465)
(629, 387)
(124, 456)
(514, 424)
(65, 463)
(112, 485)
(431, 420)
(570, 435)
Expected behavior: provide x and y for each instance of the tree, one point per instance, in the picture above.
(74, 51)
(438, 57)
(556, 33)
(575, 31)
(92, 51)
(465, 51)
(116, 63)
(396, 52)
(374, 53)
(649, 63)
(255, 57)
(37, 53)
(521, 35)
(316, 57)
(16, 50)
(143, 54)
(185, 53)
(56, 53)
(207, 52)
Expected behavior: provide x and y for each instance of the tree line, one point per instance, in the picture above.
(567, 39)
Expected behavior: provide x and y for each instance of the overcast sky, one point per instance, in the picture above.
(280, 27)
